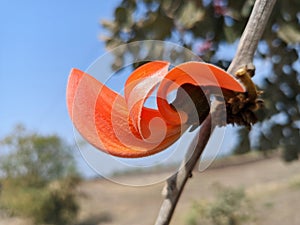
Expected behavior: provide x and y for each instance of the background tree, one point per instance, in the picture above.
(209, 25)
(34, 158)
(38, 177)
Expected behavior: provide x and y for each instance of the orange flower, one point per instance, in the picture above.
(121, 125)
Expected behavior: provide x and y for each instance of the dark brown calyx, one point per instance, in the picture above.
(241, 107)
(192, 100)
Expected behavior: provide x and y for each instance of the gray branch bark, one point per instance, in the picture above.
(176, 183)
(252, 34)
(248, 43)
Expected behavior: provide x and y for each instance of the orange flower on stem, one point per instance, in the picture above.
(121, 125)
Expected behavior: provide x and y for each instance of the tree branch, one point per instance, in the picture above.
(176, 183)
(244, 56)
(252, 34)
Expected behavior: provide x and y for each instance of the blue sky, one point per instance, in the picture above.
(40, 42)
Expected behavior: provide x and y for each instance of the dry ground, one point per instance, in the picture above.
(272, 185)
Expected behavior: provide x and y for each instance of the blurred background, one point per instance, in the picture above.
(40, 166)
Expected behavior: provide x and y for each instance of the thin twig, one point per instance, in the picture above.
(176, 183)
(244, 56)
(252, 34)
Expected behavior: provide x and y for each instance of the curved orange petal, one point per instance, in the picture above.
(82, 90)
(122, 126)
(140, 85)
(102, 118)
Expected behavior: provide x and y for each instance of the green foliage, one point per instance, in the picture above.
(38, 178)
(20, 200)
(204, 27)
(54, 204)
(243, 145)
(231, 207)
(294, 183)
(59, 206)
(34, 159)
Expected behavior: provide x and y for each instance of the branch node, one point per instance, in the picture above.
(170, 189)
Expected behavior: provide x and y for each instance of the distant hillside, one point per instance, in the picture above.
(272, 186)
